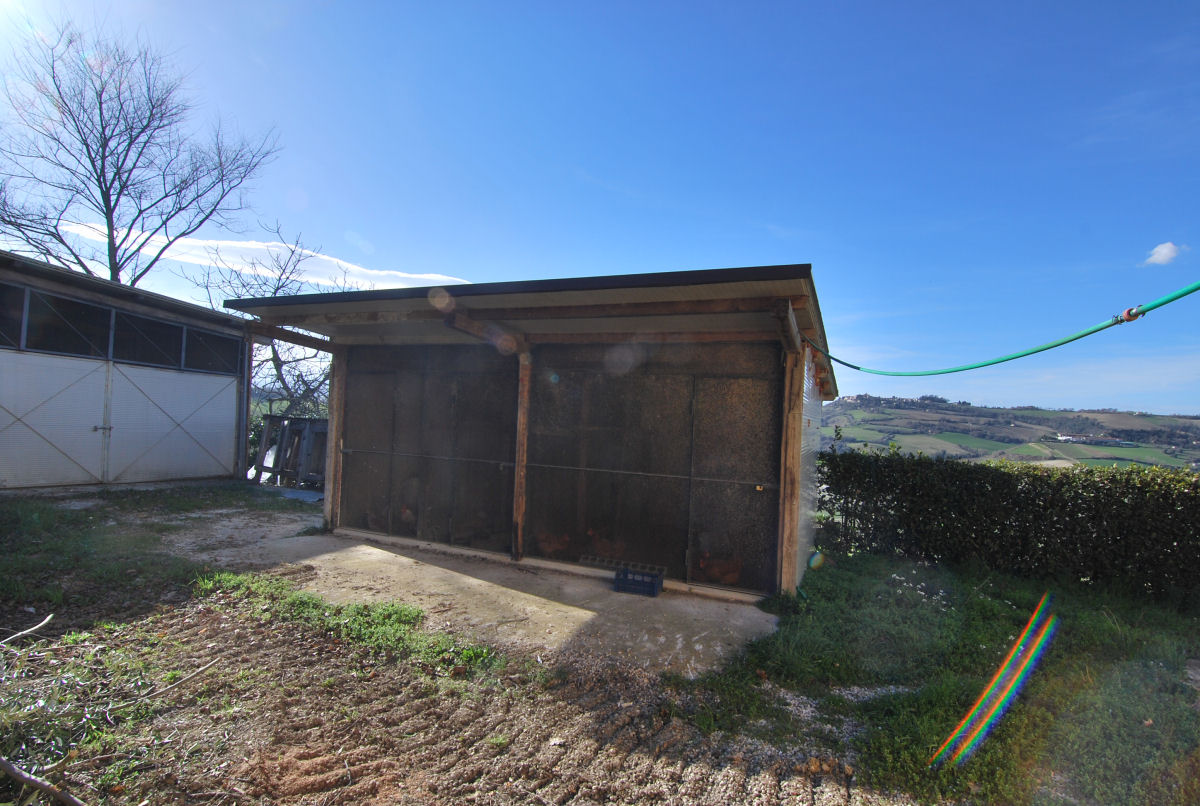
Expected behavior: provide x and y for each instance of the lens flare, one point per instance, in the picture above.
(1003, 688)
(816, 560)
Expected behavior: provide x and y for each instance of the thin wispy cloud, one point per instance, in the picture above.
(1162, 254)
(244, 255)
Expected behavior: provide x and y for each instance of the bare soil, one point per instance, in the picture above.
(288, 715)
(520, 608)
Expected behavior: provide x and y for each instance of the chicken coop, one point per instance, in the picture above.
(668, 420)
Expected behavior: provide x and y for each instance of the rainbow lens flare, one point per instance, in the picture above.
(1003, 688)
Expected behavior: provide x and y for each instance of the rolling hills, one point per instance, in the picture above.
(936, 427)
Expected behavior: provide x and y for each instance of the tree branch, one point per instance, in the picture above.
(18, 774)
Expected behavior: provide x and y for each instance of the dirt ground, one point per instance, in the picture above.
(289, 716)
(517, 607)
(277, 713)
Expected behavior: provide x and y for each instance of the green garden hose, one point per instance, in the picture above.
(1128, 315)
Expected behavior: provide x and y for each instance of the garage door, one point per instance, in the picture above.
(66, 420)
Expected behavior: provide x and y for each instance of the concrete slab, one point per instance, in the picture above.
(535, 610)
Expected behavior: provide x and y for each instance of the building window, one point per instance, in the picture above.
(55, 324)
(147, 341)
(209, 352)
(59, 325)
(12, 312)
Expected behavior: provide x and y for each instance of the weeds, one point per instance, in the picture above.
(1106, 717)
(389, 628)
(57, 557)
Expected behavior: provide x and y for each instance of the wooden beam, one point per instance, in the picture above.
(788, 562)
(672, 338)
(338, 370)
(429, 314)
(301, 339)
(668, 308)
(505, 340)
(524, 381)
(789, 330)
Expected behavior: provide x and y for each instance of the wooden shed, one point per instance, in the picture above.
(101, 382)
(662, 419)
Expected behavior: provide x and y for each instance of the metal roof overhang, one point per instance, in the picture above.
(67, 282)
(762, 303)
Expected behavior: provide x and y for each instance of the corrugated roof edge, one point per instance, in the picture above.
(793, 271)
(48, 271)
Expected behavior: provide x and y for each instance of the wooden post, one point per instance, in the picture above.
(524, 379)
(790, 472)
(333, 445)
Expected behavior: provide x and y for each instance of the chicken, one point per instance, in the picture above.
(553, 546)
(603, 547)
(721, 570)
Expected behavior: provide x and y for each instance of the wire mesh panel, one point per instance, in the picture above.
(669, 459)
(735, 490)
(429, 443)
(663, 456)
(367, 439)
(810, 446)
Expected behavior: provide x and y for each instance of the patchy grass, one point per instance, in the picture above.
(199, 497)
(57, 557)
(391, 628)
(102, 569)
(888, 653)
(106, 560)
(901, 650)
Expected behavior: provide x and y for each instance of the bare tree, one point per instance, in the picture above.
(293, 381)
(99, 141)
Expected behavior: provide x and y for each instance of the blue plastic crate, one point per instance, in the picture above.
(645, 583)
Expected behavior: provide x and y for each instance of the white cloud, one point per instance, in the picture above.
(319, 268)
(1163, 254)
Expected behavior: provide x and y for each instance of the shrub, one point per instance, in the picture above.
(1132, 528)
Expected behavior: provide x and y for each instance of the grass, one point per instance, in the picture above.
(390, 628)
(1145, 454)
(1029, 449)
(97, 561)
(929, 445)
(855, 433)
(975, 443)
(200, 497)
(55, 556)
(1105, 718)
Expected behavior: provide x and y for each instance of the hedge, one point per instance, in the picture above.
(1135, 528)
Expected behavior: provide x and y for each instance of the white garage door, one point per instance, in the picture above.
(77, 421)
(51, 420)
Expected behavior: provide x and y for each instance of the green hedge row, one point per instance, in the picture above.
(1135, 529)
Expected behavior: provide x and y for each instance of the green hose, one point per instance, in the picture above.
(1128, 316)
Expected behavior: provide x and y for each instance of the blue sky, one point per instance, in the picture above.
(966, 179)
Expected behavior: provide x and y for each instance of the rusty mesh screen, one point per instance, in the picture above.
(661, 455)
(429, 442)
(667, 456)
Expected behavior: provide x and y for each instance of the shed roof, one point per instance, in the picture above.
(717, 305)
(54, 279)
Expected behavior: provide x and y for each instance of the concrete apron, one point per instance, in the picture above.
(541, 607)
